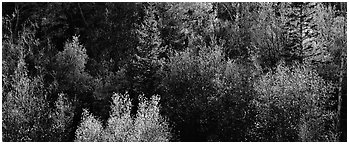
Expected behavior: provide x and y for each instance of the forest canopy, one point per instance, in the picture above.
(199, 71)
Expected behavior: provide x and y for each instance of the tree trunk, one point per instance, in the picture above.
(340, 82)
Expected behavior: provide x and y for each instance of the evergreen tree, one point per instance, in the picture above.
(70, 68)
(301, 32)
(141, 71)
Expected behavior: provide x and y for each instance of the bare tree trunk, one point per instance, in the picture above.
(17, 12)
(82, 15)
(340, 94)
(340, 81)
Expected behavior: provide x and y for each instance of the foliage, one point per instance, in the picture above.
(187, 86)
(110, 31)
(292, 105)
(120, 124)
(10, 54)
(147, 126)
(268, 41)
(213, 67)
(188, 25)
(23, 41)
(331, 30)
(25, 115)
(148, 56)
(303, 30)
(207, 98)
(233, 108)
(89, 129)
(141, 69)
(62, 117)
(235, 33)
(26, 108)
(70, 67)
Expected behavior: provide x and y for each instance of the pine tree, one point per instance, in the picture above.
(147, 59)
(148, 34)
(301, 32)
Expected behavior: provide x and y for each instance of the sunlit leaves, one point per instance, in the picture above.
(121, 127)
(293, 99)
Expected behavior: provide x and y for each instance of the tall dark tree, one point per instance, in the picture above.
(144, 61)
(301, 32)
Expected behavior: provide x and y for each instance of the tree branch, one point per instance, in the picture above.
(83, 18)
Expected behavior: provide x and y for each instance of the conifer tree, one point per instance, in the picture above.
(146, 60)
(301, 31)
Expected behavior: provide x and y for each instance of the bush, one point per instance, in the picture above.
(292, 106)
(206, 97)
(147, 126)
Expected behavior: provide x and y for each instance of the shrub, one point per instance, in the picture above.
(147, 126)
(206, 97)
(291, 105)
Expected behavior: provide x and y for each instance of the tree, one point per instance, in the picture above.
(332, 36)
(268, 40)
(188, 25)
(302, 31)
(341, 42)
(207, 98)
(292, 105)
(235, 34)
(62, 119)
(214, 68)
(149, 125)
(141, 70)
(187, 87)
(111, 36)
(25, 115)
(89, 129)
(70, 68)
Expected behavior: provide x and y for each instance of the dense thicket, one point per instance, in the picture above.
(174, 71)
